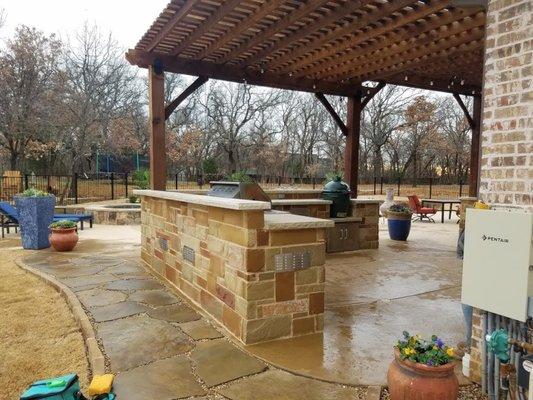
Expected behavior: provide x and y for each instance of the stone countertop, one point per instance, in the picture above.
(292, 190)
(366, 201)
(221, 202)
(347, 219)
(299, 202)
(281, 221)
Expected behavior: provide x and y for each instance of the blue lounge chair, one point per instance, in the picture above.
(9, 217)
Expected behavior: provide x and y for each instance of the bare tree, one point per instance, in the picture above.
(28, 83)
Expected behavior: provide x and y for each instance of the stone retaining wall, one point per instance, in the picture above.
(368, 210)
(225, 262)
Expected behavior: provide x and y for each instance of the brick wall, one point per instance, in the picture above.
(507, 133)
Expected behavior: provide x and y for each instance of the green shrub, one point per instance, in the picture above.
(141, 179)
(209, 166)
(63, 224)
(32, 192)
(240, 176)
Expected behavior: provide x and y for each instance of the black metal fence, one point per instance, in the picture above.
(83, 188)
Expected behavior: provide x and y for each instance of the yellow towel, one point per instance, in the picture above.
(482, 206)
(101, 384)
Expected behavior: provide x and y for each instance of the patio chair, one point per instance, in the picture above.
(9, 218)
(420, 212)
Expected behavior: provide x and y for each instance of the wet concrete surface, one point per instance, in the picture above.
(371, 297)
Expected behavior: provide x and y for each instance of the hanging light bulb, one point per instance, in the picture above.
(406, 78)
(431, 83)
(462, 82)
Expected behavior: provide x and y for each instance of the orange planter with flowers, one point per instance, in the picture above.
(422, 370)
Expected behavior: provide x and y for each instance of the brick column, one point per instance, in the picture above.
(507, 134)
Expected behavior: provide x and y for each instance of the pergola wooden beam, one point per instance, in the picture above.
(208, 24)
(469, 118)
(302, 11)
(371, 93)
(169, 109)
(475, 147)
(425, 31)
(240, 27)
(237, 74)
(370, 17)
(171, 24)
(327, 105)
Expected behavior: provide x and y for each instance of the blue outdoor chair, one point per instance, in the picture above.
(9, 217)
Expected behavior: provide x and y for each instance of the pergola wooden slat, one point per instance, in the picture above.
(321, 46)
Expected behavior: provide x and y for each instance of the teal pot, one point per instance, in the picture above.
(35, 214)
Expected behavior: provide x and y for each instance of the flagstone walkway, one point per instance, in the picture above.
(159, 346)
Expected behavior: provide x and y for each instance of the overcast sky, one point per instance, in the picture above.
(128, 20)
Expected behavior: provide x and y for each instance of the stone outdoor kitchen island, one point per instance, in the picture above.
(257, 272)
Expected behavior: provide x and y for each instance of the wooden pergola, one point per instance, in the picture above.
(318, 46)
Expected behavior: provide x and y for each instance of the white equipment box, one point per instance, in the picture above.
(498, 262)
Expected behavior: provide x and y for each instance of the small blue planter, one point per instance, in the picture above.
(35, 214)
(399, 228)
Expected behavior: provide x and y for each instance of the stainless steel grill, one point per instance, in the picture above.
(238, 190)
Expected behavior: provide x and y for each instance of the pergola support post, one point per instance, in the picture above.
(351, 152)
(158, 167)
(475, 148)
(474, 121)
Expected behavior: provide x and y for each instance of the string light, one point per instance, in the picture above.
(406, 78)
(462, 82)
(431, 83)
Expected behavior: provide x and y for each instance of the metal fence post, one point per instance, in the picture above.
(399, 184)
(460, 188)
(381, 185)
(176, 181)
(375, 183)
(126, 183)
(430, 186)
(75, 185)
(112, 177)
(314, 182)
(26, 182)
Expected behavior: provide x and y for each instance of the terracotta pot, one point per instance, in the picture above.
(63, 239)
(413, 381)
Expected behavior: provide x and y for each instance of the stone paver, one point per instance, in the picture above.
(83, 281)
(162, 380)
(100, 297)
(117, 310)
(276, 384)
(200, 329)
(134, 284)
(175, 313)
(134, 341)
(218, 361)
(154, 298)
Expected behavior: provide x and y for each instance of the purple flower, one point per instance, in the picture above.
(439, 342)
(430, 363)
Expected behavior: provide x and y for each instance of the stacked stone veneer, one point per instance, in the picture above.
(233, 276)
(310, 210)
(368, 211)
(507, 132)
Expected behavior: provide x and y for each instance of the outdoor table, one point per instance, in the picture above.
(443, 203)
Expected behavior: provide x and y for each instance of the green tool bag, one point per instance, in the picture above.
(65, 387)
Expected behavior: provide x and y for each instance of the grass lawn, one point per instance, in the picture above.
(39, 337)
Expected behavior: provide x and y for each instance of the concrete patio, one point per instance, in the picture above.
(371, 297)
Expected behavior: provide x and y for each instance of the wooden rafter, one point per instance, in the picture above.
(371, 93)
(206, 25)
(370, 17)
(302, 11)
(367, 60)
(239, 28)
(326, 46)
(392, 42)
(330, 18)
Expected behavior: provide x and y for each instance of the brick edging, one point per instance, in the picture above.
(92, 350)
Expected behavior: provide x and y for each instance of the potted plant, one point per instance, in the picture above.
(422, 370)
(399, 221)
(35, 212)
(64, 235)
